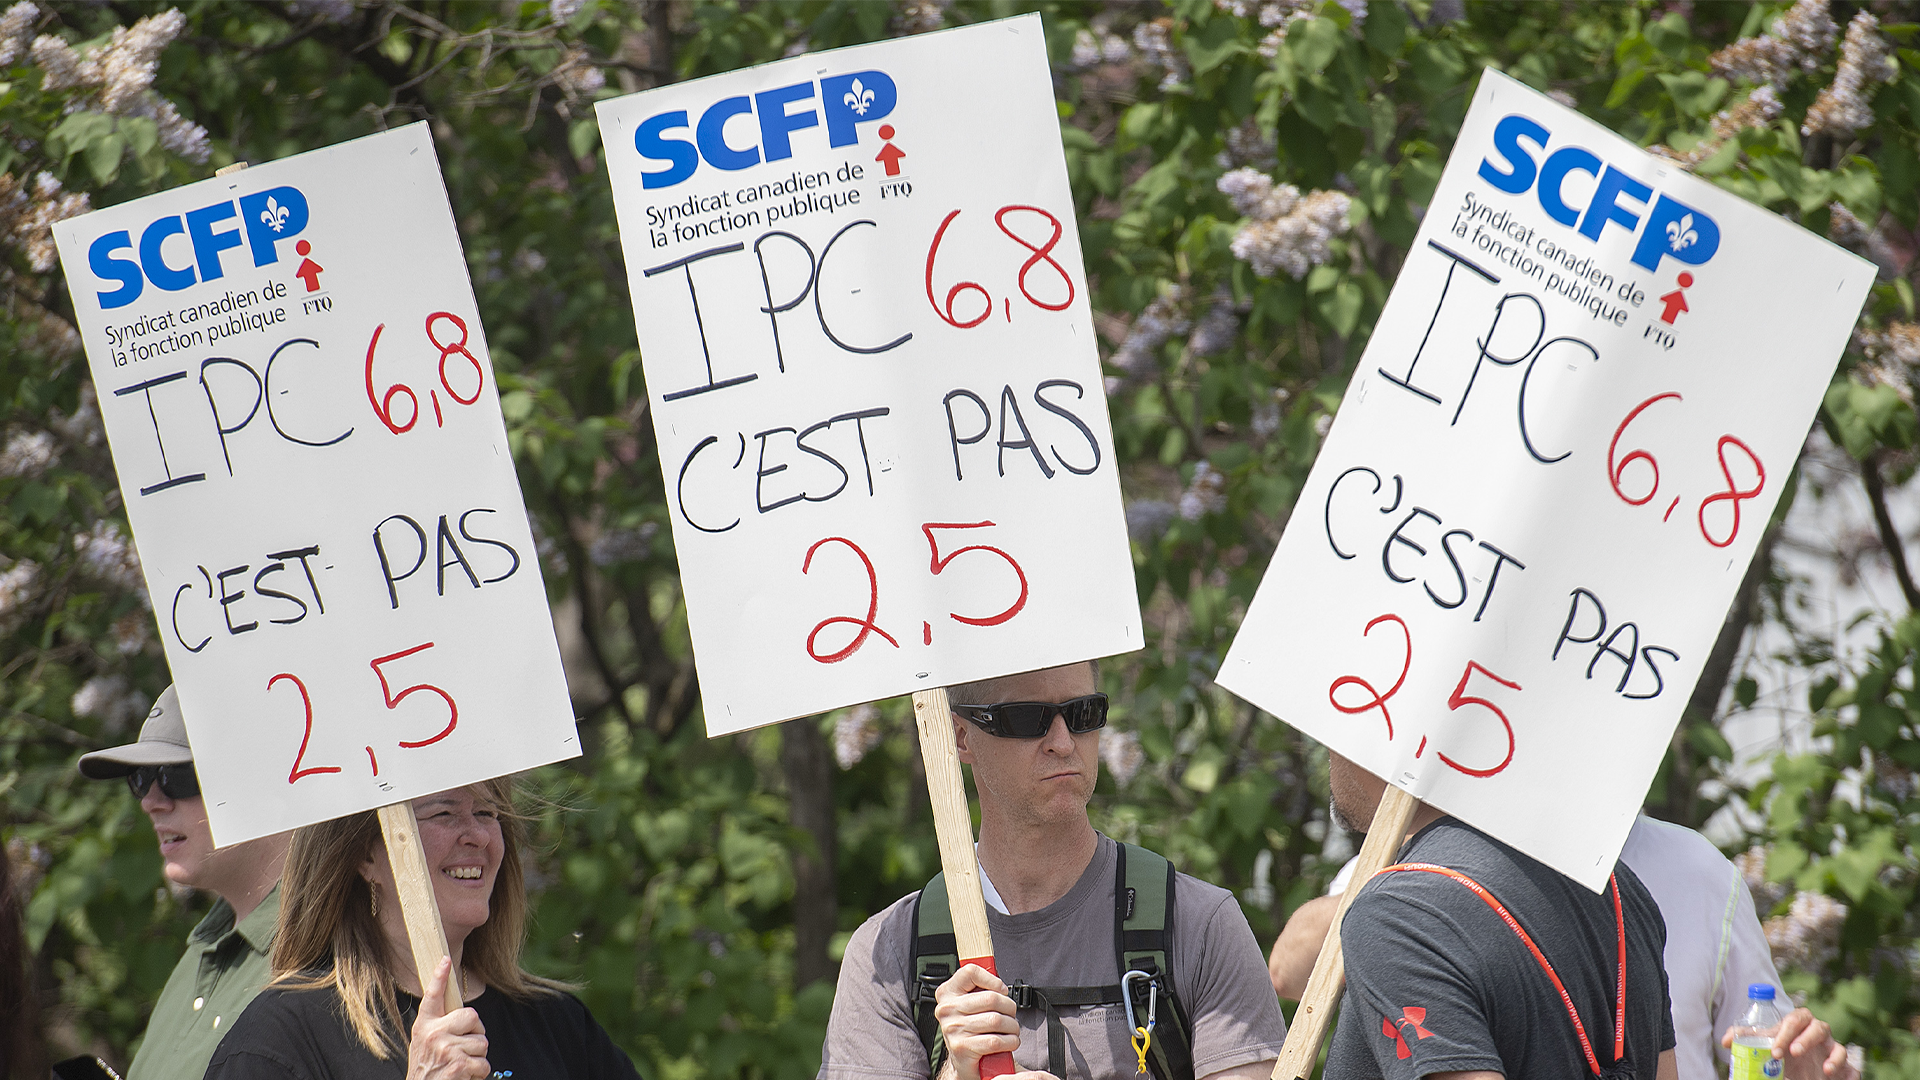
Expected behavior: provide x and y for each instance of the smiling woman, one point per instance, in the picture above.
(346, 995)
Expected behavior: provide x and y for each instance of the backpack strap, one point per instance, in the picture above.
(1143, 906)
(1143, 941)
(935, 958)
(1620, 933)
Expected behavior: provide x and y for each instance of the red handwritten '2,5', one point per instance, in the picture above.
(1378, 699)
(866, 625)
(306, 734)
(1460, 697)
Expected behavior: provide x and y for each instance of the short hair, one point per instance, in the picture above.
(982, 691)
(328, 938)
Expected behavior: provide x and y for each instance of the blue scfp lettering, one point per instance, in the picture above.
(155, 264)
(846, 102)
(680, 155)
(1606, 203)
(101, 261)
(1521, 169)
(1677, 231)
(207, 244)
(1668, 228)
(271, 216)
(266, 218)
(712, 135)
(851, 100)
(776, 124)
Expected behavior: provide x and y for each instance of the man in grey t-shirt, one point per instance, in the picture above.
(1049, 879)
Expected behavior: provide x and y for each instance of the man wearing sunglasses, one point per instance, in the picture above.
(226, 960)
(1052, 885)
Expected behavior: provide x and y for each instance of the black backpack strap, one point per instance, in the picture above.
(1143, 941)
(935, 958)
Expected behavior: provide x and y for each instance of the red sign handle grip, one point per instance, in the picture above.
(993, 1065)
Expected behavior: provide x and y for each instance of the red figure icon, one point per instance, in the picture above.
(1676, 301)
(1411, 1018)
(890, 154)
(308, 271)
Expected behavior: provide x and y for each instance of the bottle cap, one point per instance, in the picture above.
(1760, 992)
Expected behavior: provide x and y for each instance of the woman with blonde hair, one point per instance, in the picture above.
(346, 1001)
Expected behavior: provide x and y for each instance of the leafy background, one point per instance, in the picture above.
(701, 889)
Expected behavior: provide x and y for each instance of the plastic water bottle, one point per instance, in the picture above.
(1753, 1037)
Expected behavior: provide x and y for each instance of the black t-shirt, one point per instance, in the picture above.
(305, 1035)
(1437, 981)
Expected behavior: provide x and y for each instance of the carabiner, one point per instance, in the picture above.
(1142, 1036)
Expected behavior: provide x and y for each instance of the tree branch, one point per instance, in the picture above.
(1889, 536)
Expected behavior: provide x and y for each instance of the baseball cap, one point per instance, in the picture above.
(163, 741)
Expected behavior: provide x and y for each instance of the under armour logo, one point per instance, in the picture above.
(1411, 1017)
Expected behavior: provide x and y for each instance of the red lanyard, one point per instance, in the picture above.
(1620, 936)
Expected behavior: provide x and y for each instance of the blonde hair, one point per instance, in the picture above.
(328, 937)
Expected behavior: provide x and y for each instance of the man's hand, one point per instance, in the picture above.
(446, 1045)
(1807, 1049)
(977, 1018)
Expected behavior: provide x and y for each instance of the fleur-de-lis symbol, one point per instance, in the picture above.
(1680, 234)
(274, 216)
(860, 98)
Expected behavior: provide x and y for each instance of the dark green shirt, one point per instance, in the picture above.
(224, 967)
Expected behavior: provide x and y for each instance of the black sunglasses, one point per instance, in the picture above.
(1032, 719)
(176, 781)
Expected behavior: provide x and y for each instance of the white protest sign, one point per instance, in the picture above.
(872, 372)
(304, 418)
(1548, 476)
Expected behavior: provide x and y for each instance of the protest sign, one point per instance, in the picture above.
(1548, 476)
(303, 414)
(871, 366)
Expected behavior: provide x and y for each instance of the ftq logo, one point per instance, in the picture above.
(265, 218)
(1671, 228)
(846, 101)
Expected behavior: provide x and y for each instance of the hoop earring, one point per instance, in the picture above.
(373, 898)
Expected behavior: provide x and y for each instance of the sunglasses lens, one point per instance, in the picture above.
(1027, 719)
(180, 781)
(176, 781)
(1086, 714)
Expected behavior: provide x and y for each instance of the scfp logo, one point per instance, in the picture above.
(1671, 228)
(265, 218)
(845, 100)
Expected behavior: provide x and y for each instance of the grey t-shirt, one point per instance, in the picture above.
(1219, 974)
(1437, 982)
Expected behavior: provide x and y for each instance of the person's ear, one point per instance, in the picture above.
(962, 733)
(369, 869)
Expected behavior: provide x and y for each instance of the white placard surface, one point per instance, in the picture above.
(871, 365)
(1547, 479)
(297, 390)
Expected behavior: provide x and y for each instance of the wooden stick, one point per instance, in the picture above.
(414, 882)
(1309, 1028)
(953, 825)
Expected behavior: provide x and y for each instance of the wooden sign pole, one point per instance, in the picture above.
(1309, 1027)
(954, 826)
(413, 880)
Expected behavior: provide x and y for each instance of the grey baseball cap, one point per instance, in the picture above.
(163, 741)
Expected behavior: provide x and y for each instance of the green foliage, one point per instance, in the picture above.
(665, 876)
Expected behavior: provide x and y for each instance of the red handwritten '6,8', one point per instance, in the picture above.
(438, 324)
(1732, 496)
(1041, 253)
